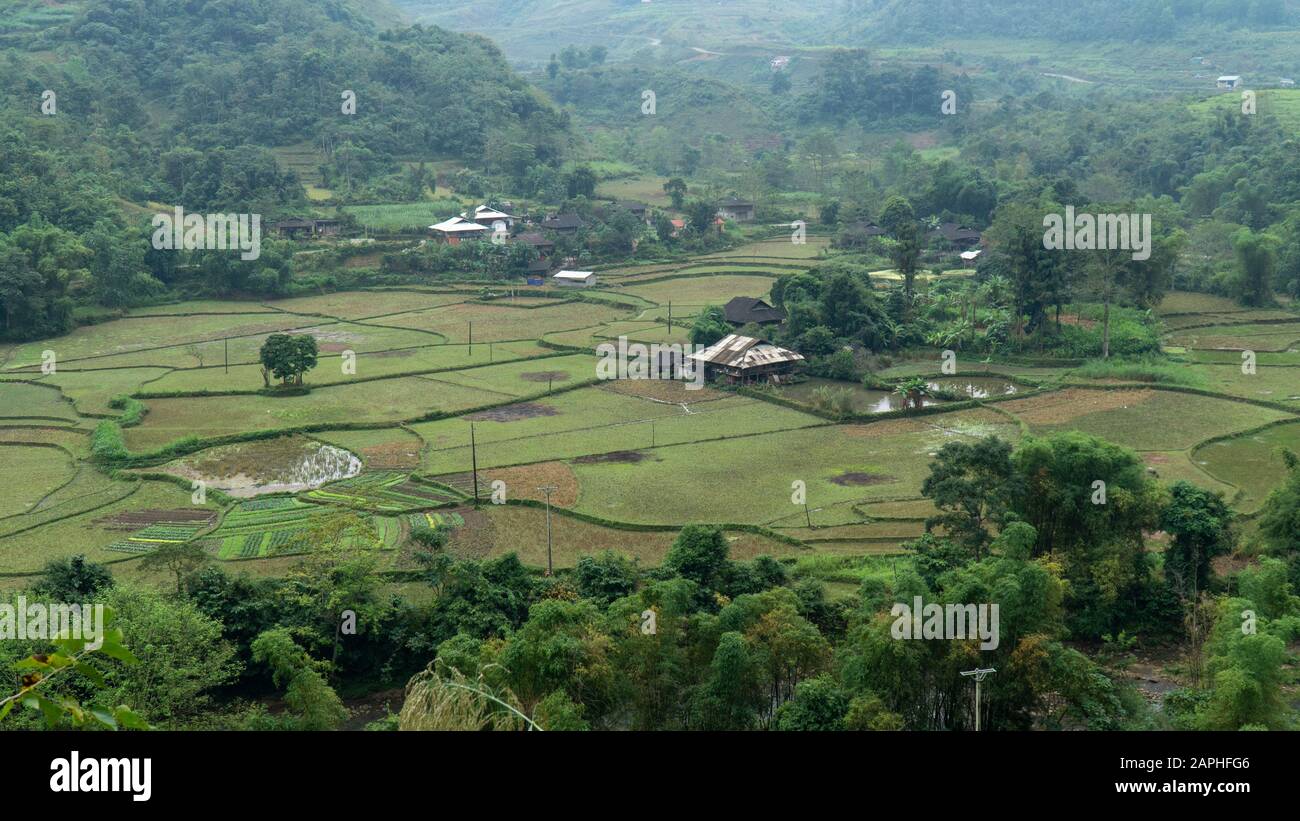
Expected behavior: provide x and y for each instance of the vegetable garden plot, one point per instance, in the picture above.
(385, 491)
(158, 535)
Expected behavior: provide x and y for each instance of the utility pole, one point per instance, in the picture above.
(471, 339)
(978, 674)
(473, 450)
(670, 316)
(548, 490)
(227, 341)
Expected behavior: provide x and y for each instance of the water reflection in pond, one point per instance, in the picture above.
(288, 464)
(866, 400)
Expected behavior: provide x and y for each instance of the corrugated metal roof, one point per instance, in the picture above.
(457, 224)
(736, 351)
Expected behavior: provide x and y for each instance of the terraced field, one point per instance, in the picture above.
(626, 461)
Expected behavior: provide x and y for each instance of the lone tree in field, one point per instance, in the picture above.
(287, 358)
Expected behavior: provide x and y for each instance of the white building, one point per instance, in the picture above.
(1228, 81)
(454, 230)
(496, 221)
(574, 279)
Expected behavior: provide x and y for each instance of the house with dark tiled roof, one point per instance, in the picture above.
(564, 223)
(743, 310)
(958, 235)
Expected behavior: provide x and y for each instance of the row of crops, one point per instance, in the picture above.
(156, 535)
(262, 527)
(277, 525)
(382, 491)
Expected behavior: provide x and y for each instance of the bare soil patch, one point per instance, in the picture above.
(893, 427)
(1072, 403)
(391, 456)
(662, 390)
(523, 481)
(137, 519)
(512, 413)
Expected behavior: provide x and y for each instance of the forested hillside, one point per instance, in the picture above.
(527, 28)
(117, 107)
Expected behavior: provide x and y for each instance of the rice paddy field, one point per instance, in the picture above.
(446, 384)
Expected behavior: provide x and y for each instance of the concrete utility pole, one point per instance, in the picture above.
(548, 490)
(473, 451)
(978, 673)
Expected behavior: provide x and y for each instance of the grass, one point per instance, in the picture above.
(382, 401)
(499, 321)
(495, 530)
(524, 378)
(596, 421)
(30, 472)
(1140, 419)
(126, 335)
(1251, 463)
(1283, 103)
(1149, 370)
(80, 528)
(1261, 337)
(409, 216)
(755, 473)
(19, 400)
(703, 290)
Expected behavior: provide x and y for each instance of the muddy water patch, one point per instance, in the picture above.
(287, 464)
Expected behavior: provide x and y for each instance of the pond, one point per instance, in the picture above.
(287, 464)
(867, 400)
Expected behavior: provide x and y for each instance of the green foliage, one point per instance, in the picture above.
(74, 578)
(313, 702)
(287, 357)
(106, 443)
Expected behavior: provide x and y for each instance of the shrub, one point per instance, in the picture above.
(106, 444)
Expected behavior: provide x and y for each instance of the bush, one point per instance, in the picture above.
(433, 538)
(839, 365)
(133, 410)
(106, 443)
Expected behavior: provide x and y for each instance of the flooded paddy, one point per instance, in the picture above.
(285, 465)
(817, 391)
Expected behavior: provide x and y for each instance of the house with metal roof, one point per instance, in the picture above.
(574, 279)
(454, 230)
(741, 359)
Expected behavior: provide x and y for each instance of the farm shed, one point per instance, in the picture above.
(742, 359)
(736, 210)
(574, 279)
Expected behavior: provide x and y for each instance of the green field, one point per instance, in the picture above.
(1251, 463)
(637, 453)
